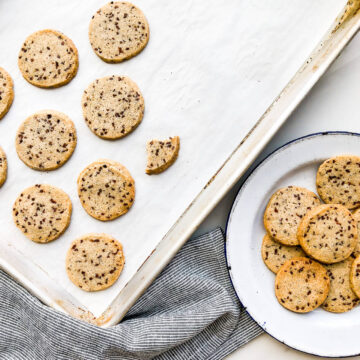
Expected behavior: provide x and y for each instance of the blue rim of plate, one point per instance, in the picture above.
(280, 148)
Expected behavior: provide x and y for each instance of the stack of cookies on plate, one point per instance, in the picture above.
(313, 246)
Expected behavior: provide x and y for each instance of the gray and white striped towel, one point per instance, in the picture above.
(190, 313)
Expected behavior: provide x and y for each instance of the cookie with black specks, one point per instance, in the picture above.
(341, 297)
(46, 140)
(355, 276)
(6, 92)
(275, 254)
(48, 59)
(328, 233)
(356, 216)
(94, 261)
(301, 285)
(285, 210)
(338, 181)
(118, 31)
(106, 190)
(3, 166)
(161, 154)
(42, 212)
(113, 107)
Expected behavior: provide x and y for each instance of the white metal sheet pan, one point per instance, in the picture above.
(209, 72)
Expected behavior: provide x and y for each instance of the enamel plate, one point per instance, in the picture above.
(319, 332)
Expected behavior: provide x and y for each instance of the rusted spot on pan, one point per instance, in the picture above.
(60, 303)
(145, 260)
(351, 9)
(86, 316)
(76, 312)
(315, 67)
(104, 319)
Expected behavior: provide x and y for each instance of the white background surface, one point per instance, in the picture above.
(207, 70)
(332, 105)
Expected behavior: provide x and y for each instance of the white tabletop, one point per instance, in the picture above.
(332, 105)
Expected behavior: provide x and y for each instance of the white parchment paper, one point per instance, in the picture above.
(210, 70)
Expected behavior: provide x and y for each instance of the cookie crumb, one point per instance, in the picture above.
(161, 154)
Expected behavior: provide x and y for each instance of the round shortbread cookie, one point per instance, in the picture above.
(46, 140)
(356, 216)
(355, 276)
(6, 92)
(106, 190)
(94, 261)
(341, 298)
(338, 181)
(48, 59)
(301, 285)
(275, 254)
(3, 167)
(113, 107)
(42, 212)
(118, 31)
(328, 233)
(285, 210)
(161, 154)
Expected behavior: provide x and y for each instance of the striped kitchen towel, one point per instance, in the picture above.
(190, 312)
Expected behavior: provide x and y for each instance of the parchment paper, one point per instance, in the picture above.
(210, 70)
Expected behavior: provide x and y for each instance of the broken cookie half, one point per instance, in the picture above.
(161, 154)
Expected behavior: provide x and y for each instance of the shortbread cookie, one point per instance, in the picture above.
(113, 106)
(338, 181)
(94, 261)
(6, 92)
(275, 254)
(48, 59)
(301, 285)
(118, 31)
(355, 276)
(3, 167)
(328, 233)
(356, 216)
(161, 154)
(285, 210)
(106, 190)
(46, 140)
(42, 212)
(341, 298)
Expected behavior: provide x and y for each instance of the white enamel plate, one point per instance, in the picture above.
(318, 332)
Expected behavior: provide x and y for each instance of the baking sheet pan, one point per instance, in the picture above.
(208, 73)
